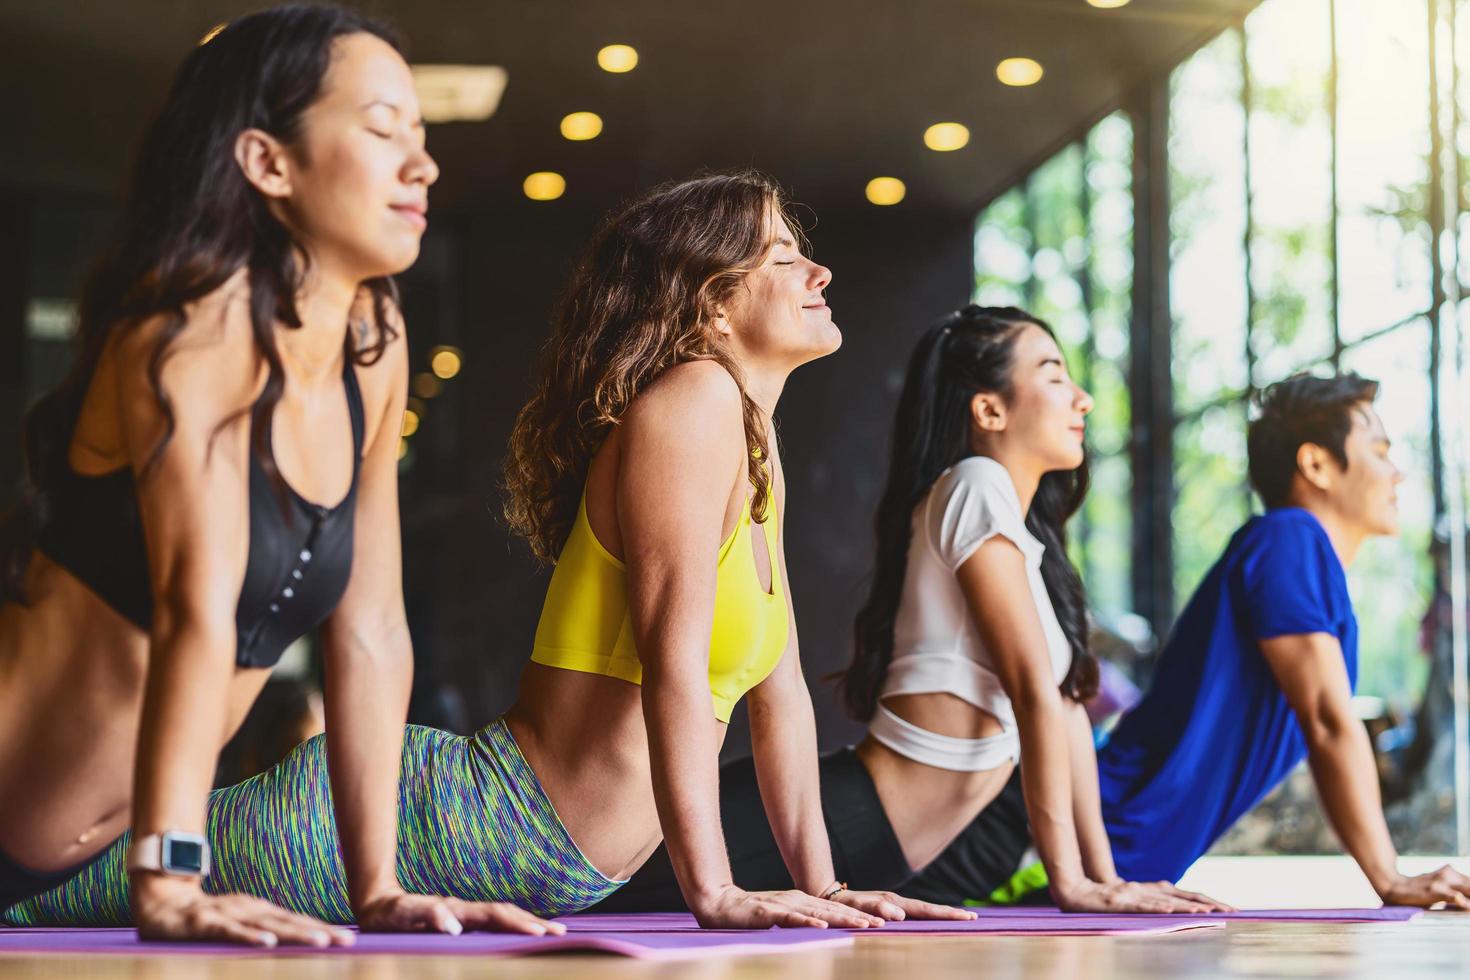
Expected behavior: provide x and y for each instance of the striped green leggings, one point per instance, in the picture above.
(473, 822)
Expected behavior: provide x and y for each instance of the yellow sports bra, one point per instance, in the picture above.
(585, 624)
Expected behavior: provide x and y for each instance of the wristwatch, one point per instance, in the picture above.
(173, 852)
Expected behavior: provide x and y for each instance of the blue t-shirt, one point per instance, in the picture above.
(1214, 733)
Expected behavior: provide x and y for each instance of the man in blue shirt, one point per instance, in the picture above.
(1257, 675)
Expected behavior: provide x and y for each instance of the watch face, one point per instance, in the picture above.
(183, 855)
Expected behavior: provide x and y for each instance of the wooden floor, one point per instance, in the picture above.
(1435, 945)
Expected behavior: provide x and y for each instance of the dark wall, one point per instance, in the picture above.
(486, 283)
(474, 593)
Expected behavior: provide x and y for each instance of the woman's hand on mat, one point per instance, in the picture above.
(398, 911)
(1132, 896)
(735, 908)
(896, 908)
(1445, 885)
(175, 909)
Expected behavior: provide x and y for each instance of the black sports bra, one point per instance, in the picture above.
(299, 561)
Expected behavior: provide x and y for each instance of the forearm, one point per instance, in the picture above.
(1046, 780)
(368, 680)
(182, 728)
(1342, 764)
(683, 745)
(783, 739)
(1092, 834)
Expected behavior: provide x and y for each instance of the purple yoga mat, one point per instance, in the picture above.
(1386, 913)
(640, 945)
(1043, 924)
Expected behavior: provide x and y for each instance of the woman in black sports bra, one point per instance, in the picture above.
(218, 476)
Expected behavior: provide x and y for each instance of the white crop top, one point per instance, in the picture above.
(936, 645)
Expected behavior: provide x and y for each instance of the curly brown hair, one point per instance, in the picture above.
(641, 300)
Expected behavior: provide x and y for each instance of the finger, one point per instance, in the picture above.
(292, 929)
(444, 920)
(916, 909)
(504, 917)
(210, 925)
(788, 918)
(881, 904)
(845, 916)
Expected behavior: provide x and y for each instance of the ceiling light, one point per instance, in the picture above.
(544, 185)
(1108, 4)
(445, 362)
(884, 191)
(581, 126)
(459, 93)
(946, 136)
(617, 58)
(1018, 71)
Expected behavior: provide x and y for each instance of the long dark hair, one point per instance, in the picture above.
(640, 301)
(967, 352)
(191, 221)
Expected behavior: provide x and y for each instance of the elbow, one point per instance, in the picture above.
(374, 643)
(192, 622)
(1327, 730)
(1038, 698)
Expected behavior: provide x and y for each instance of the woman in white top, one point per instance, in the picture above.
(971, 650)
(972, 647)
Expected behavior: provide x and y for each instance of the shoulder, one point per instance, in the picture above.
(694, 393)
(982, 481)
(1283, 534)
(209, 357)
(1287, 550)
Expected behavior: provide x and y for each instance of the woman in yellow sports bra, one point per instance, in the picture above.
(645, 466)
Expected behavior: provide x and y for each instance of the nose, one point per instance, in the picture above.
(820, 276)
(421, 168)
(1083, 401)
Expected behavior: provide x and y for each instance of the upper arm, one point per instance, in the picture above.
(193, 499)
(683, 449)
(787, 674)
(1311, 672)
(373, 601)
(997, 590)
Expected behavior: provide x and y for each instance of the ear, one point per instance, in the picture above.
(720, 323)
(264, 162)
(1316, 465)
(988, 412)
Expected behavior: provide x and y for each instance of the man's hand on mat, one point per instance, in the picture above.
(896, 908)
(1132, 896)
(175, 909)
(1445, 885)
(735, 908)
(398, 911)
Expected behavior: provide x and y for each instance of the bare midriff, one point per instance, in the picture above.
(584, 736)
(72, 675)
(928, 806)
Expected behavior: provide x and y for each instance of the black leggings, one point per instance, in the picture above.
(984, 855)
(865, 852)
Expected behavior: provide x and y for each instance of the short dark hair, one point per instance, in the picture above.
(1302, 409)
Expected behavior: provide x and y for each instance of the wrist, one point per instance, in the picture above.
(1383, 880)
(372, 892)
(149, 887)
(706, 895)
